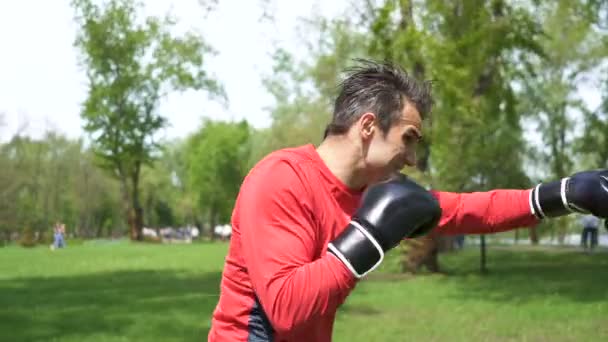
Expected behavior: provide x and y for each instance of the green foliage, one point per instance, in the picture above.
(159, 191)
(508, 110)
(594, 140)
(28, 239)
(465, 48)
(53, 179)
(551, 103)
(217, 156)
(131, 64)
(470, 50)
(502, 71)
(303, 90)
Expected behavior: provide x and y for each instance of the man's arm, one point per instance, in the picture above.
(484, 212)
(500, 210)
(279, 242)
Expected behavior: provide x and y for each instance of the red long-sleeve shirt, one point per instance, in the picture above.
(279, 283)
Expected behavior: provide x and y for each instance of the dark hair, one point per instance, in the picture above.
(380, 88)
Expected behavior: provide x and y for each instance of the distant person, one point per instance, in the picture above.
(459, 241)
(589, 234)
(59, 235)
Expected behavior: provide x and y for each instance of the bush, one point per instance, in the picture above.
(27, 238)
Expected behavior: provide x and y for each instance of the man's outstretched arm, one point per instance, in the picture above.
(484, 212)
(501, 210)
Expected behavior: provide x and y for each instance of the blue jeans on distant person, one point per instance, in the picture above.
(459, 240)
(59, 240)
(589, 234)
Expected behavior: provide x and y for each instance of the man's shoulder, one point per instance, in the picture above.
(293, 154)
(295, 158)
(282, 174)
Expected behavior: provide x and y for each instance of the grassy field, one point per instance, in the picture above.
(125, 292)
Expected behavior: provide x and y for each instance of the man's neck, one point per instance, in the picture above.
(345, 160)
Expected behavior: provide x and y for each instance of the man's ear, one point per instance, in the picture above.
(367, 123)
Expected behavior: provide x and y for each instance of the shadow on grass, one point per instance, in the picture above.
(520, 276)
(136, 305)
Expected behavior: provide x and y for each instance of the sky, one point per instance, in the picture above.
(42, 85)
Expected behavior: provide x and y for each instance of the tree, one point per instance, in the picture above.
(131, 64)
(594, 142)
(217, 158)
(11, 183)
(53, 179)
(175, 161)
(470, 49)
(96, 197)
(161, 188)
(303, 89)
(551, 104)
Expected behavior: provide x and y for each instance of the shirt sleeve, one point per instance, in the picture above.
(279, 239)
(484, 212)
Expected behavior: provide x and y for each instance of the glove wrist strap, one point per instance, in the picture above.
(357, 249)
(549, 199)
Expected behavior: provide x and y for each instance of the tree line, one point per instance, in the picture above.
(508, 108)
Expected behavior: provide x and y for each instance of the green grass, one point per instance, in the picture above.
(528, 295)
(119, 292)
(127, 292)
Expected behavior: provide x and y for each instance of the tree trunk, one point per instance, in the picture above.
(533, 235)
(99, 231)
(422, 251)
(562, 230)
(483, 254)
(137, 222)
(127, 206)
(212, 222)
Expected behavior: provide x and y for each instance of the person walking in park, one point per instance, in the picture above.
(59, 235)
(589, 234)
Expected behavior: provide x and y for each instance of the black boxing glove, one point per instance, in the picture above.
(389, 212)
(583, 192)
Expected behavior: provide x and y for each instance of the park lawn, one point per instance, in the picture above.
(139, 292)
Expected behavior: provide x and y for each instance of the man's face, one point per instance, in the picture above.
(389, 153)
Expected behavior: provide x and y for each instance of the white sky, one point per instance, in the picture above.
(42, 85)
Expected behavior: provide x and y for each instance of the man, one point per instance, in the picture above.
(304, 231)
(589, 234)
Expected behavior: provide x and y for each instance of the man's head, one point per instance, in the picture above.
(380, 108)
